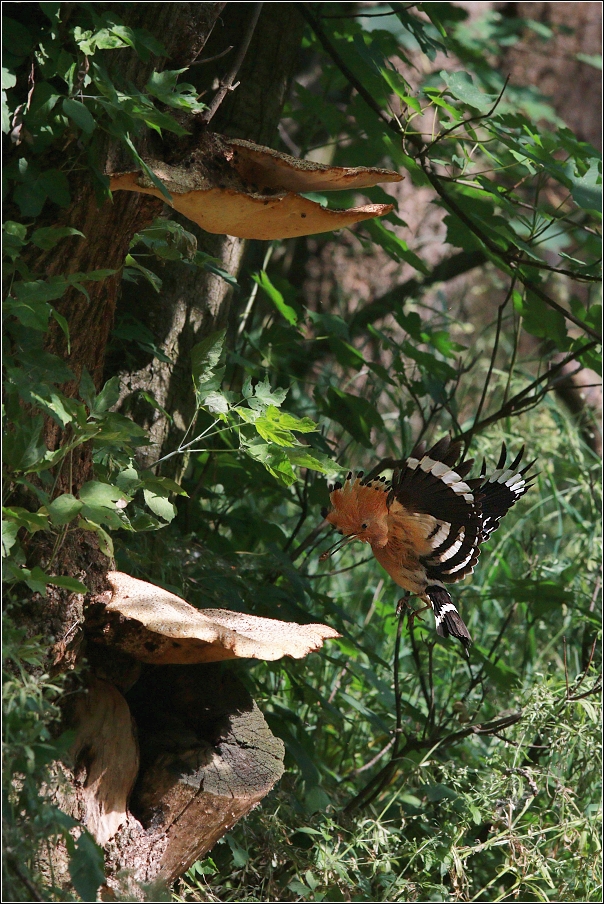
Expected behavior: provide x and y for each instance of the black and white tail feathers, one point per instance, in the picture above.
(449, 622)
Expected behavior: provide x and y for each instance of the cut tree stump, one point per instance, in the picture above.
(170, 750)
(209, 755)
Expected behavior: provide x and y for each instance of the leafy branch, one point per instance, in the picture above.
(508, 258)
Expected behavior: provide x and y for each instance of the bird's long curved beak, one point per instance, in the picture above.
(337, 546)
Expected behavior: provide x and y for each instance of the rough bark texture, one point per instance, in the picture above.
(193, 303)
(209, 759)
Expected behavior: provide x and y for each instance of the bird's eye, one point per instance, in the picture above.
(363, 527)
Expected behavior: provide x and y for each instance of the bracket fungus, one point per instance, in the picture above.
(238, 188)
(155, 626)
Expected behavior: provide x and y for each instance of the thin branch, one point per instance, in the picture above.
(308, 540)
(580, 277)
(372, 761)
(226, 84)
(212, 59)
(520, 402)
(392, 123)
(363, 15)
(373, 788)
(31, 888)
(325, 574)
(485, 388)
(504, 256)
(333, 53)
(464, 122)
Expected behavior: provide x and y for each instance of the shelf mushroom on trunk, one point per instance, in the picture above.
(239, 188)
(170, 749)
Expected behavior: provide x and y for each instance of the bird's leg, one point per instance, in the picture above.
(403, 604)
(412, 614)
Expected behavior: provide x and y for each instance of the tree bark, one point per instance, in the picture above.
(193, 303)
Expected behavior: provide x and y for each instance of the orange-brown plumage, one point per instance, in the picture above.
(425, 526)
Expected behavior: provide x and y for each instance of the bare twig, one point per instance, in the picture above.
(523, 399)
(226, 84)
(500, 311)
(212, 59)
(308, 540)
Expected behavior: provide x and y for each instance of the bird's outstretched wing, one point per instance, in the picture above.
(501, 490)
(432, 484)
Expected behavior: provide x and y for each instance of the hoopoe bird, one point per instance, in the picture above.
(426, 525)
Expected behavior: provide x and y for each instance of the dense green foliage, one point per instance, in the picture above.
(419, 777)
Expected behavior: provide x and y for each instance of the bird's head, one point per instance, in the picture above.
(359, 510)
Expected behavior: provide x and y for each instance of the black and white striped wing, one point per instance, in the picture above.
(433, 484)
(501, 490)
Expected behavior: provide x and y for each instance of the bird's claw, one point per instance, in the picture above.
(403, 604)
(412, 614)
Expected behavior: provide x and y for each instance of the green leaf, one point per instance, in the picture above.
(25, 448)
(462, 86)
(96, 493)
(276, 426)
(80, 114)
(393, 245)
(10, 530)
(587, 189)
(47, 237)
(206, 355)
(105, 541)
(264, 395)
(276, 297)
(539, 319)
(67, 583)
(87, 867)
(148, 172)
(64, 509)
(87, 388)
(160, 505)
(107, 397)
(356, 415)
(306, 457)
(55, 184)
(32, 521)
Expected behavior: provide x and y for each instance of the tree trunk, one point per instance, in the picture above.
(193, 303)
(221, 733)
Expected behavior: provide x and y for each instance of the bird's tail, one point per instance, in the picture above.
(448, 620)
